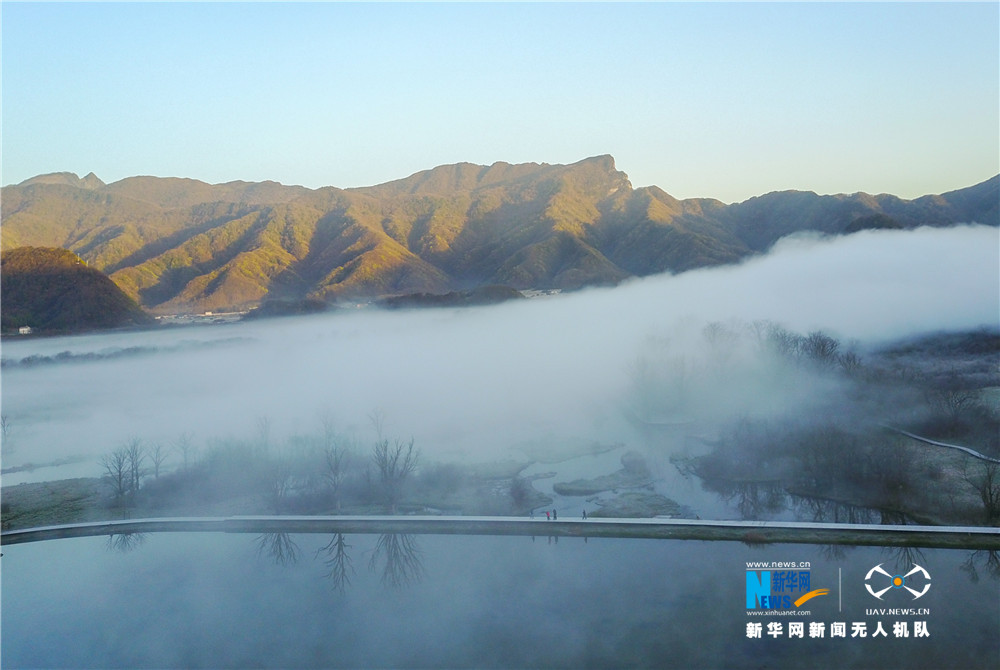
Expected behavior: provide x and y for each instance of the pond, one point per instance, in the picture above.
(210, 599)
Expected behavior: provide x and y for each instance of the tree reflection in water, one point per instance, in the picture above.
(904, 558)
(402, 560)
(125, 542)
(990, 559)
(833, 511)
(337, 561)
(835, 552)
(278, 546)
(754, 500)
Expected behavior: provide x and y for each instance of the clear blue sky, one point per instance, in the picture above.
(703, 100)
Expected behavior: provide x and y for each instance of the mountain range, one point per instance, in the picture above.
(180, 245)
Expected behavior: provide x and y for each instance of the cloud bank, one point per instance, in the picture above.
(473, 383)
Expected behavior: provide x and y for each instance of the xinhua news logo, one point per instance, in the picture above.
(779, 589)
(917, 582)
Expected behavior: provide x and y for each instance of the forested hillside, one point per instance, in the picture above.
(177, 245)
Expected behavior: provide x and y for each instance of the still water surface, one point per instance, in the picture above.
(310, 600)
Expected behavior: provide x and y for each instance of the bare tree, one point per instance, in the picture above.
(394, 464)
(953, 400)
(784, 343)
(117, 474)
(758, 331)
(820, 348)
(279, 485)
(6, 434)
(185, 445)
(337, 454)
(136, 454)
(158, 455)
(338, 459)
(985, 478)
(850, 362)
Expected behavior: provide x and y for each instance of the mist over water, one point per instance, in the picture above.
(472, 384)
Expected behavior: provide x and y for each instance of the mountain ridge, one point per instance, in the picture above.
(52, 290)
(178, 245)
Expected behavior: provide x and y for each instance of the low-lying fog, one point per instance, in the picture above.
(472, 384)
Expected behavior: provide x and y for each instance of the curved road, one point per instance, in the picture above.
(971, 452)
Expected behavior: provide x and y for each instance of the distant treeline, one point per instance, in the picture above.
(839, 446)
(112, 354)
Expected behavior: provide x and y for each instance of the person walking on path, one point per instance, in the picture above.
(547, 517)
(584, 515)
(554, 515)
